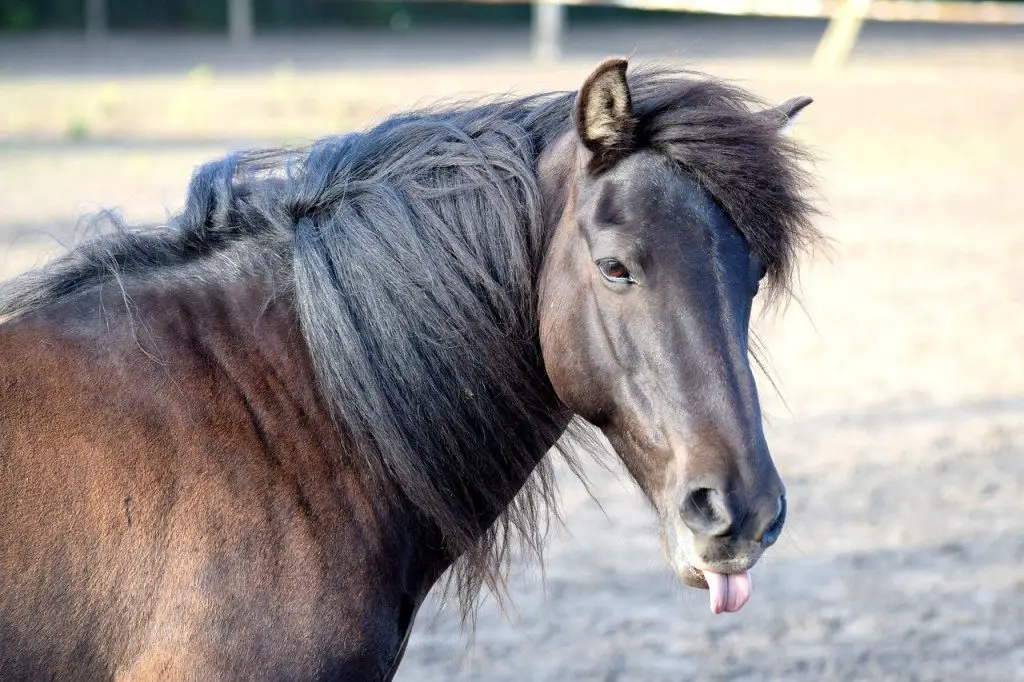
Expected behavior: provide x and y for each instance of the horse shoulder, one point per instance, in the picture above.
(173, 485)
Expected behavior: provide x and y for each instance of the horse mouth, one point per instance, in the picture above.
(728, 582)
(728, 592)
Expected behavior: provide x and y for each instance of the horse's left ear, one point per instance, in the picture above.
(786, 113)
(604, 113)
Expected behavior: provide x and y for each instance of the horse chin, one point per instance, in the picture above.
(692, 577)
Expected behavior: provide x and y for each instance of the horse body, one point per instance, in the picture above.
(232, 543)
(248, 444)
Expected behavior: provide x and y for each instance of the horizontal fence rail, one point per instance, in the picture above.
(845, 17)
(881, 10)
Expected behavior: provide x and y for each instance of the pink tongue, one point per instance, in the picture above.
(729, 591)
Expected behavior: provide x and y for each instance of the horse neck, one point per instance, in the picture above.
(556, 168)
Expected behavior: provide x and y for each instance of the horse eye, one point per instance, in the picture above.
(614, 271)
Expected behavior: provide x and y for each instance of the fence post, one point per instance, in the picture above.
(840, 36)
(240, 23)
(548, 20)
(95, 20)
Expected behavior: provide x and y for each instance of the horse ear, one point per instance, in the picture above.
(786, 113)
(604, 113)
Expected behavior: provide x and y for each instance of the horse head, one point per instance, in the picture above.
(645, 301)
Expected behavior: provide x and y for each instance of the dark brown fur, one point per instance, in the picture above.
(164, 487)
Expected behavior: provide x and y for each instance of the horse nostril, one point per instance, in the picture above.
(705, 513)
(774, 529)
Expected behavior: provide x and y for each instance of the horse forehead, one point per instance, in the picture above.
(660, 200)
(647, 181)
(647, 172)
(655, 202)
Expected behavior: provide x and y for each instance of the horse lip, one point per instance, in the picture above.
(692, 577)
(692, 573)
(689, 568)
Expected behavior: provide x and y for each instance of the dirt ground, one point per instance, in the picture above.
(901, 437)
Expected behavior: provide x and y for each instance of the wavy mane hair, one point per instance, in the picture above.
(411, 254)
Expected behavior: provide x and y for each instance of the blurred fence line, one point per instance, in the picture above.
(845, 17)
(549, 18)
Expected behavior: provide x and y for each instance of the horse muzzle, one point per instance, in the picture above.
(712, 542)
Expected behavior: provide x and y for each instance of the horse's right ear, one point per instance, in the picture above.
(786, 113)
(604, 113)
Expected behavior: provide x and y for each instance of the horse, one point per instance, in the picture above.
(246, 443)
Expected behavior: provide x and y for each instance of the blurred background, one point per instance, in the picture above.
(898, 422)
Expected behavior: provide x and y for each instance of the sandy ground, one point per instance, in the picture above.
(902, 434)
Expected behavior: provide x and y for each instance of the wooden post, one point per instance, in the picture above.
(548, 21)
(95, 20)
(840, 36)
(240, 22)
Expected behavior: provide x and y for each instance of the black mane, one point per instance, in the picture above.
(412, 252)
